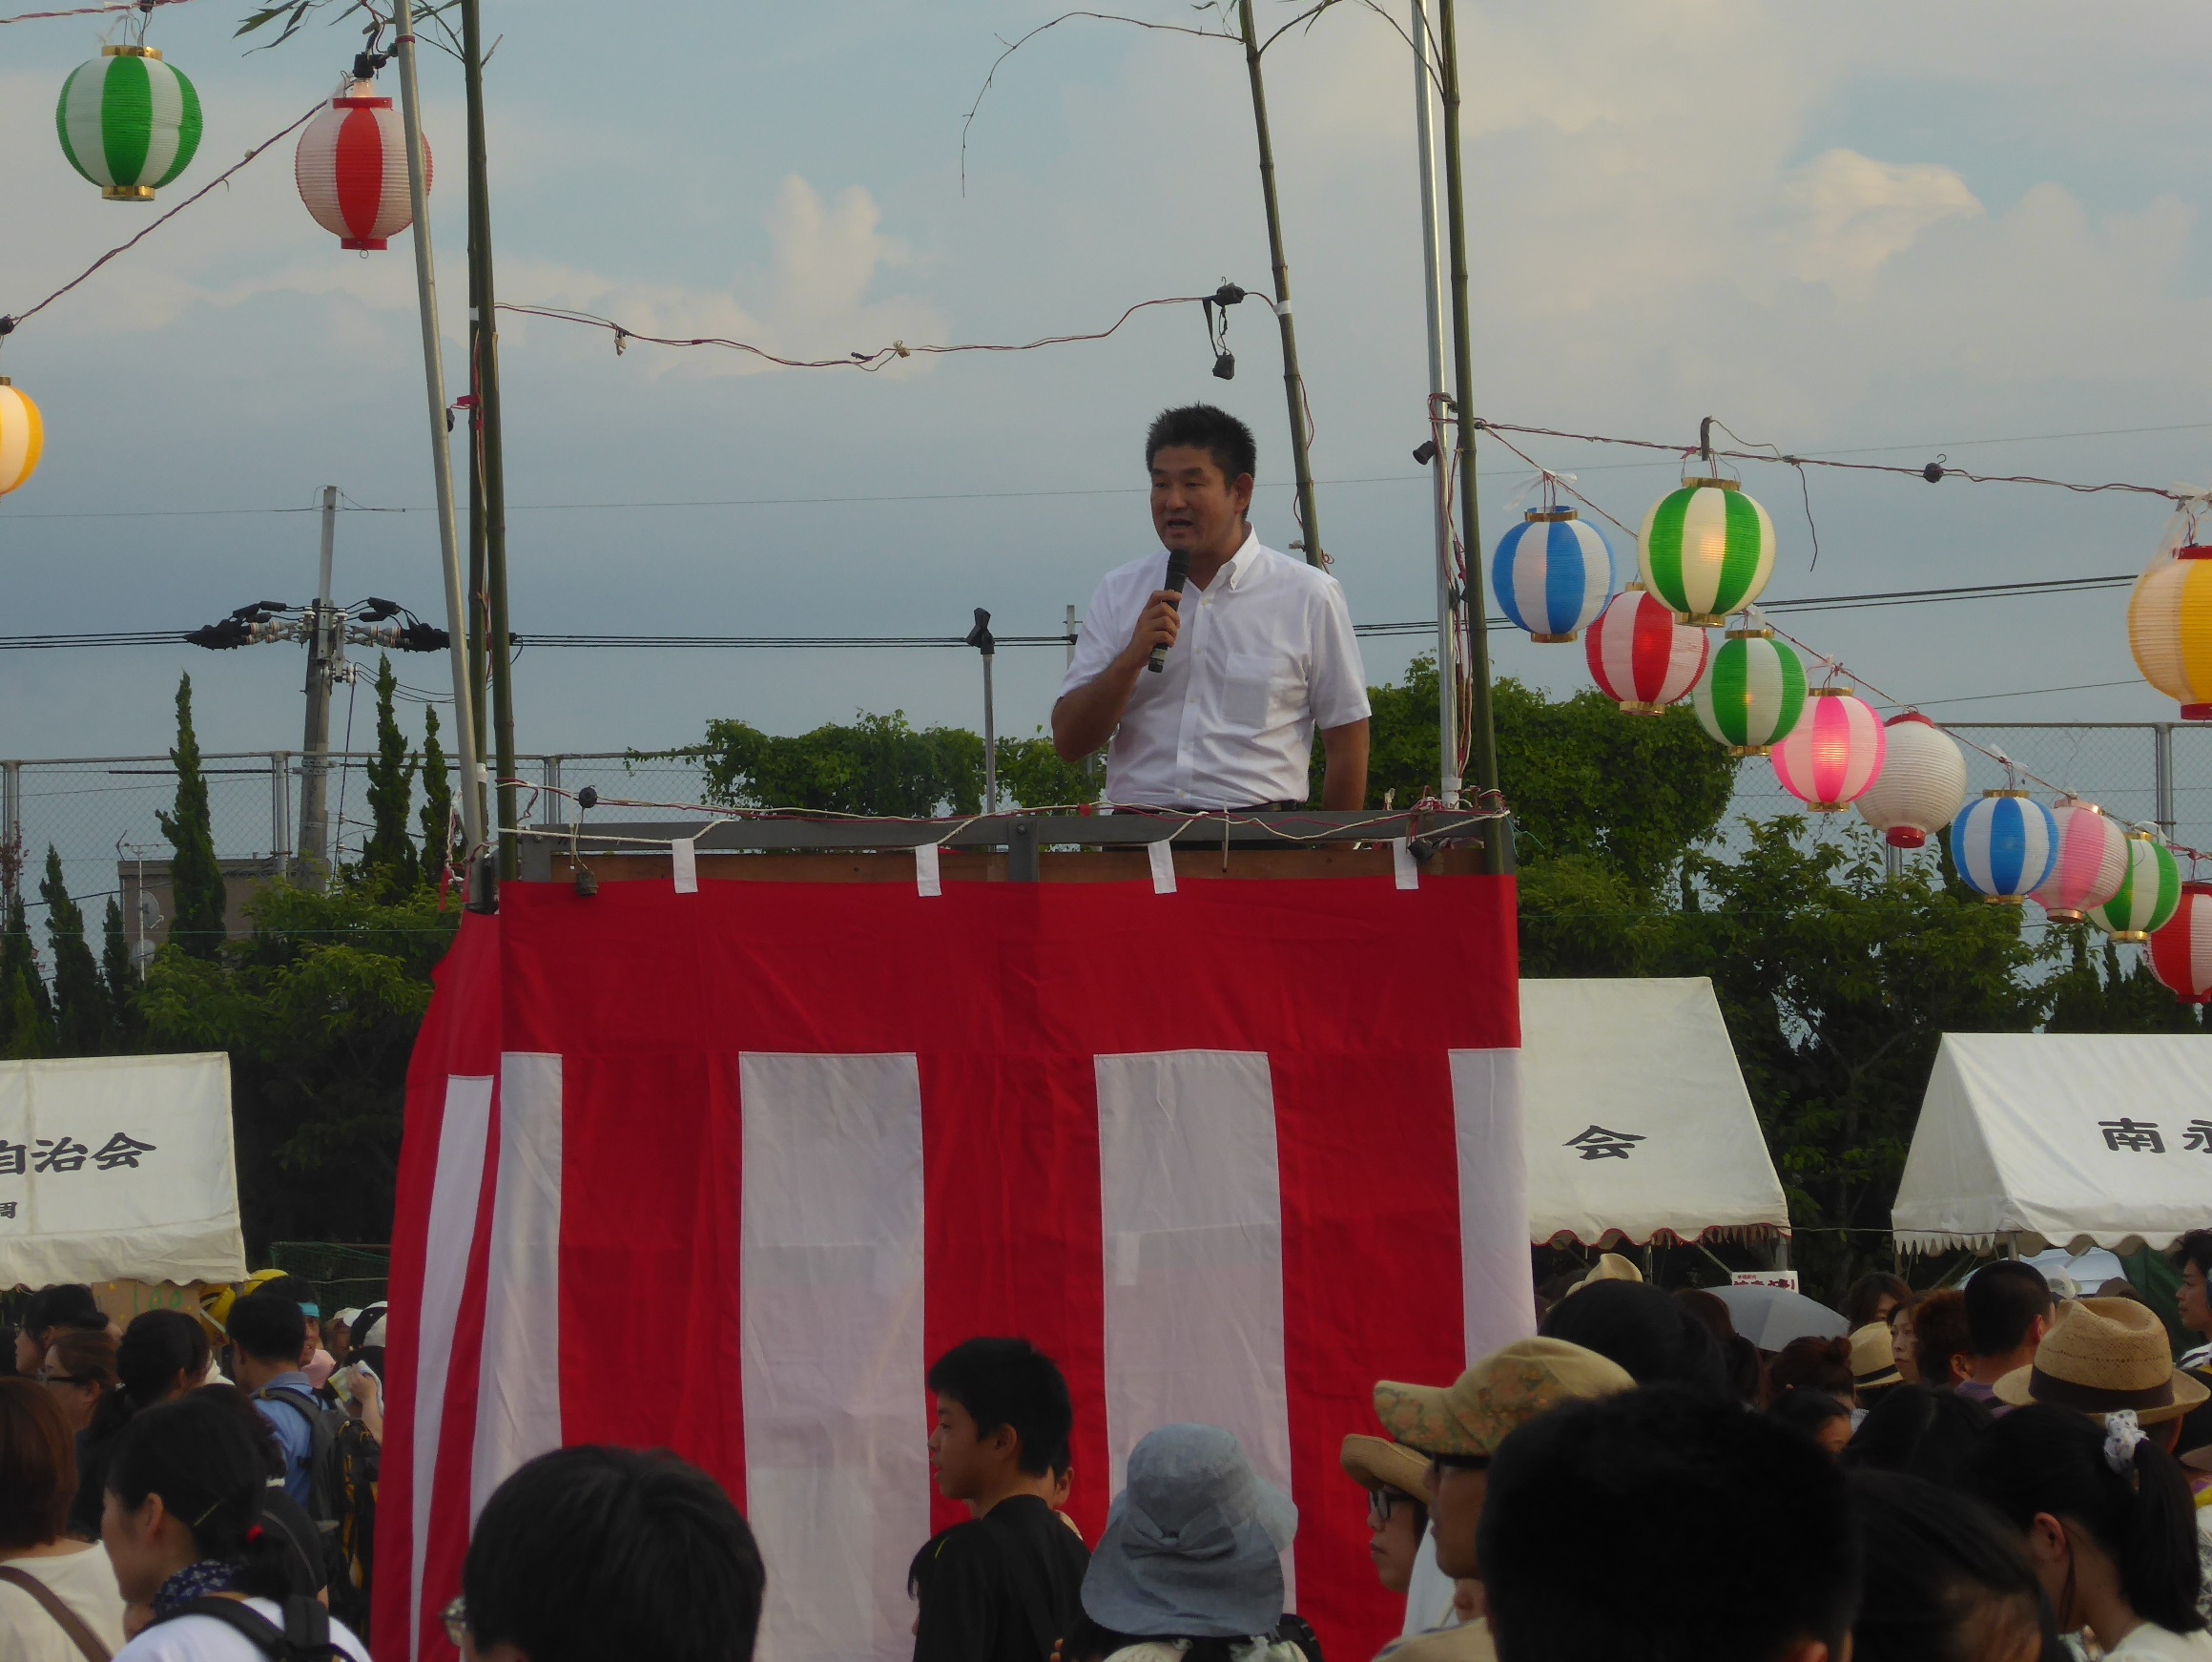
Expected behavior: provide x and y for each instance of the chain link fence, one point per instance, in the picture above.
(99, 814)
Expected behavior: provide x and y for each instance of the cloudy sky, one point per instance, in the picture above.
(1884, 229)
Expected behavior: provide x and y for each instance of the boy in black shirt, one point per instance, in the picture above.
(1002, 1587)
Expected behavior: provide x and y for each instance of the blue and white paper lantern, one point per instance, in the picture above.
(2004, 845)
(1552, 574)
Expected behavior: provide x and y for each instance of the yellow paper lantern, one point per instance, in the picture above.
(2169, 628)
(22, 437)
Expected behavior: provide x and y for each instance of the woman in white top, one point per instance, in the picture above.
(184, 1526)
(2109, 1525)
(38, 1476)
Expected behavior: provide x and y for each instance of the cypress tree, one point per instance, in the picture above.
(120, 975)
(26, 1012)
(387, 861)
(195, 877)
(437, 801)
(80, 1017)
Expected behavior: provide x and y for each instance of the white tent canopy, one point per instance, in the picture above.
(118, 1168)
(2060, 1140)
(1637, 1121)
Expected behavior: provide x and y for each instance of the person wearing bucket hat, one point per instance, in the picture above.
(2102, 1356)
(1190, 1564)
(1460, 1427)
(1395, 1482)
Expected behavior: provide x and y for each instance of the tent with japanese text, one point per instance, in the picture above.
(722, 1171)
(1639, 1127)
(119, 1168)
(2060, 1140)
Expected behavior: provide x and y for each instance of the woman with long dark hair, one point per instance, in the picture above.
(2108, 1523)
(185, 1531)
(163, 1354)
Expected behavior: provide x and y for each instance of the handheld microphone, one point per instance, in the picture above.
(1178, 573)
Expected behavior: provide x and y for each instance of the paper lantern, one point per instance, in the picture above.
(1921, 785)
(1707, 550)
(1833, 755)
(351, 168)
(2169, 628)
(128, 122)
(2149, 893)
(2091, 860)
(1552, 573)
(1640, 658)
(1751, 693)
(2003, 845)
(22, 437)
(2180, 952)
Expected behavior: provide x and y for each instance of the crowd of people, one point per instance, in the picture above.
(2003, 1472)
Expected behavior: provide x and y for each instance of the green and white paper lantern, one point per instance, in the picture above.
(128, 122)
(1751, 693)
(2149, 894)
(1707, 550)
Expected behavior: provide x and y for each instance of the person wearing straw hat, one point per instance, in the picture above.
(2104, 1356)
(1874, 1366)
(1460, 1427)
(1190, 1567)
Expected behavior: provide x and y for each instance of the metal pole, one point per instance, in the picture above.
(1071, 638)
(440, 451)
(1440, 467)
(1293, 386)
(981, 638)
(2163, 774)
(487, 451)
(1482, 742)
(323, 630)
(556, 804)
(281, 811)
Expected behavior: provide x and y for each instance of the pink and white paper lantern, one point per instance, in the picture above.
(1833, 756)
(2092, 860)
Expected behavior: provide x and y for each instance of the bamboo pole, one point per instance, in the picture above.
(488, 453)
(1293, 385)
(1481, 740)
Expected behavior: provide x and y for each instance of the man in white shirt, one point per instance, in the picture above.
(1260, 650)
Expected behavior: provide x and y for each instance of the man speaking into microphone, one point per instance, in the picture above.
(1256, 651)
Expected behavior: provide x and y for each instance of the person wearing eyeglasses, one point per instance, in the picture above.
(1459, 1427)
(78, 1370)
(1396, 1479)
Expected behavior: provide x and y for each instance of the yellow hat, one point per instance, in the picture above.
(215, 1308)
(1495, 1397)
(1610, 1267)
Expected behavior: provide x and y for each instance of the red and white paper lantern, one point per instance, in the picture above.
(2180, 953)
(1921, 786)
(1833, 756)
(2092, 859)
(1640, 658)
(351, 168)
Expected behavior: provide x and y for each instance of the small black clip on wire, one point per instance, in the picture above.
(1935, 470)
(1217, 331)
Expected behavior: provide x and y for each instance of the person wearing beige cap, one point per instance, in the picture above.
(1459, 1427)
(1396, 1482)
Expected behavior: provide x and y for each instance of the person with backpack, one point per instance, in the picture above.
(331, 1459)
(183, 1528)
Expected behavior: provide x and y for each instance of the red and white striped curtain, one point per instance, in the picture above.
(720, 1172)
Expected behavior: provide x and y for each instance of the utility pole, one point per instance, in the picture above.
(326, 647)
(983, 641)
(1293, 386)
(1440, 470)
(472, 780)
(487, 466)
(1482, 741)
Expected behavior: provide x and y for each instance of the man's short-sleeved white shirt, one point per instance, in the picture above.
(1266, 655)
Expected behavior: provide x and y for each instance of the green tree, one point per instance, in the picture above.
(195, 877)
(121, 976)
(388, 862)
(1837, 982)
(1030, 771)
(318, 1008)
(26, 1012)
(880, 765)
(437, 803)
(81, 1018)
(2094, 993)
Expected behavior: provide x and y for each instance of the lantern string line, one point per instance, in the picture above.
(1934, 473)
(10, 325)
(1837, 666)
(114, 6)
(868, 362)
